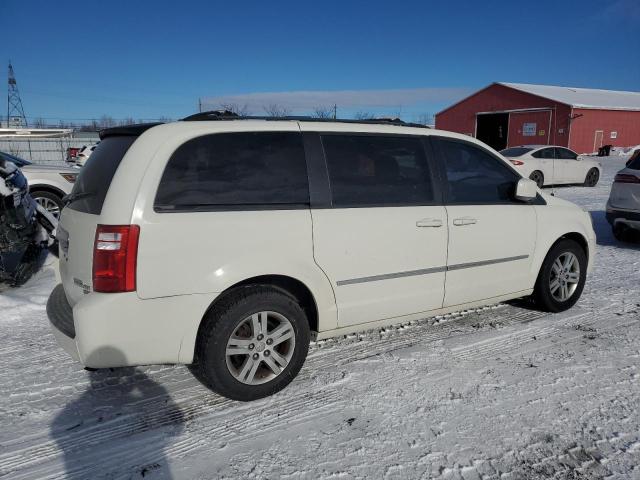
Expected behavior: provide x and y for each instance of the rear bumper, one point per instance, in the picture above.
(120, 330)
(629, 217)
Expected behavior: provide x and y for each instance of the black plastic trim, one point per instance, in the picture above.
(317, 171)
(60, 312)
(613, 215)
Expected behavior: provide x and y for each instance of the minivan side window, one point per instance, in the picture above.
(474, 176)
(262, 170)
(377, 170)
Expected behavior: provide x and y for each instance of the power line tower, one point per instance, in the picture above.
(15, 111)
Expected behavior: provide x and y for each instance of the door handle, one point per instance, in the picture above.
(464, 221)
(429, 222)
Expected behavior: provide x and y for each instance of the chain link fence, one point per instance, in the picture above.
(47, 151)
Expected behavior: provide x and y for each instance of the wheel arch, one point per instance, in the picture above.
(576, 237)
(43, 187)
(290, 285)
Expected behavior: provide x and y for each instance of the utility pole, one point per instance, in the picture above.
(199, 105)
(335, 111)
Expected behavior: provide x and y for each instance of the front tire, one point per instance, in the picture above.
(562, 277)
(51, 202)
(538, 177)
(591, 180)
(252, 344)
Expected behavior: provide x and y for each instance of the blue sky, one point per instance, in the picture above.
(80, 60)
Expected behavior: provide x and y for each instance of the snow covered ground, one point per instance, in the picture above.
(503, 392)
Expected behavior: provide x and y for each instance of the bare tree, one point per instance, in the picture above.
(275, 110)
(241, 110)
(39, 123)
(106, 122)
(323, 112)
(364, 116)
(425, 119)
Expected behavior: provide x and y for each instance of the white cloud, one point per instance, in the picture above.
(351, 99)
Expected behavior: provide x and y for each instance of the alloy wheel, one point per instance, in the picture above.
(49, 205)
(260, 347)
(537, 177)
(565, 276)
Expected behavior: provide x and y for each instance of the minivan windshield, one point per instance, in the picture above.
(92, 184)
(515, 151)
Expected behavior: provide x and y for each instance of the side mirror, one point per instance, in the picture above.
(526, 190)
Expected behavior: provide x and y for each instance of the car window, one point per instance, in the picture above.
(634, 161)
(515, 151)
(544, 153)
(92, 184)
(262, 169)
(377, 170)
(474, 176)
(565, 154)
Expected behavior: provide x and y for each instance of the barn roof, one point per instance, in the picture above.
(582, 97)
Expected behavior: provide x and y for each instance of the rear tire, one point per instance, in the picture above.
(591, 180)
(562, 277)
(229, 331)
(538, 177)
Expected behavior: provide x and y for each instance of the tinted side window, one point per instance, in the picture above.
(95, 177)
(634, 161)
(264, 169)
(565, 154)
(377, 170)
(544, 153)
(475, 176)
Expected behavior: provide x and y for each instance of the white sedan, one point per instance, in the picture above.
(553, 165)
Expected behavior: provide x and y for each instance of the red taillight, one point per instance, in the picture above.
(626, 178)
(517, 162)
(115, 253)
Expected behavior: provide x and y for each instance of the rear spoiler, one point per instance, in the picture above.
(127, 130)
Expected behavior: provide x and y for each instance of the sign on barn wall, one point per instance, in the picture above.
(529, 129)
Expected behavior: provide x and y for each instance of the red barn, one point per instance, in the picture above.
(583, 119)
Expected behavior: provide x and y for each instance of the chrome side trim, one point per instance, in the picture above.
(460, 266)
(426, 271)
(388, 276)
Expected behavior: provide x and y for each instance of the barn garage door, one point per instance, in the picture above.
(529, 128)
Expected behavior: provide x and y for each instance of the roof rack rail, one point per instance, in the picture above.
(213, 115)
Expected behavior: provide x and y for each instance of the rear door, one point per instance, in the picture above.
(567, 166)
(78, 220)
(491, 235)
(381, 237)
(546, 158)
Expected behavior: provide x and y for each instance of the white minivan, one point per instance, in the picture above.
(229, 243)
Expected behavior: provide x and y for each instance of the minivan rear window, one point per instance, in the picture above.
(248, 170)
(92, 184)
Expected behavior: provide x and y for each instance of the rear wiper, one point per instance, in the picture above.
(72, 197)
